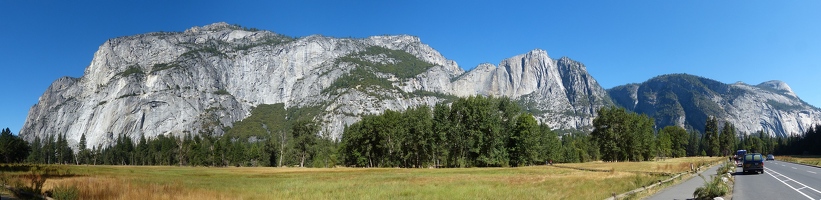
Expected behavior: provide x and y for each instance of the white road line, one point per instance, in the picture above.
(811, 172)
(794, 168)
(770, 171)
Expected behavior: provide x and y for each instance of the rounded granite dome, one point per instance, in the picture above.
(777, 86)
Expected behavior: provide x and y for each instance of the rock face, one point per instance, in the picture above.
(687, 101)
(559, 92)
(207, 78)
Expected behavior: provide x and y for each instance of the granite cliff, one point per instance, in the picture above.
(206, 78)
(687, 101)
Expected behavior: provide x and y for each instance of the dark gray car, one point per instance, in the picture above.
(753, 162)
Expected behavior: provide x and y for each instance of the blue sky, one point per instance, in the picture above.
(619, 41)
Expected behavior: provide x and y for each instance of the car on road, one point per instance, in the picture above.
(770, 157)
(753, 162)
(739, 156)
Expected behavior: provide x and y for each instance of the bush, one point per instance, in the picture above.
(134, 69)
(711, 189)
(728, 167)
(163, 66)
(222, 92)
(63, 192)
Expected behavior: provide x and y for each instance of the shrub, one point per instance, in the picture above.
(222, 92)
(163, 66)
(127, 95)
(63, 192)
(712, 189)
(134, 69)
(35, 178)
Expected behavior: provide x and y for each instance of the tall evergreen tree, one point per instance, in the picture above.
(727, 139)
(679, 140)
(305, 133)
(623, 136)
(711, 137)
(83, 153)
(551, 144)
(665, 143)
(694, 144)
(524, 141)
(13, 149)
(441, 128)
(36, 155)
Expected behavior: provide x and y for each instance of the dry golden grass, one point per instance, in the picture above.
(538, 182)
(671, 165)
(809, 160)
(111, 188)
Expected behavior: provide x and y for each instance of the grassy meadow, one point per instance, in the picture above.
(536, 182)
(808, 160)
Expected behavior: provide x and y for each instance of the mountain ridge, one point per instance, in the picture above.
(205, 79)
(687, 100)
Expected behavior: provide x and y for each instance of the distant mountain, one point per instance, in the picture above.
(204, 80)
(687, 101)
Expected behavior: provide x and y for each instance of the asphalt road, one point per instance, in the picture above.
(780, 180)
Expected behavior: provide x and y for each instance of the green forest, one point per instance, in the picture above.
(468, 132)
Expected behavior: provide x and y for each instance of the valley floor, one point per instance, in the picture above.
(595, 180)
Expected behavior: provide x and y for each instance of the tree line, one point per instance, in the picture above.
(473, 131)
(469, 132)
(299, 147)
(806, 143)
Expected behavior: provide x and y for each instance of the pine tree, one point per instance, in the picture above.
(523, 145)
(711, 137)
(694, 144)
(727, 139)
(36, 155)
(13, 149)
(665, 142)
(551, 145)
(304, 133)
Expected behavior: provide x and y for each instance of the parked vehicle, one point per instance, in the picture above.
(753, 162)
(770, 157)
(739, 157)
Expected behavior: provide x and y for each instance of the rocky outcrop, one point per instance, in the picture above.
(687, 101)
(559, 92)
(206, 78)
